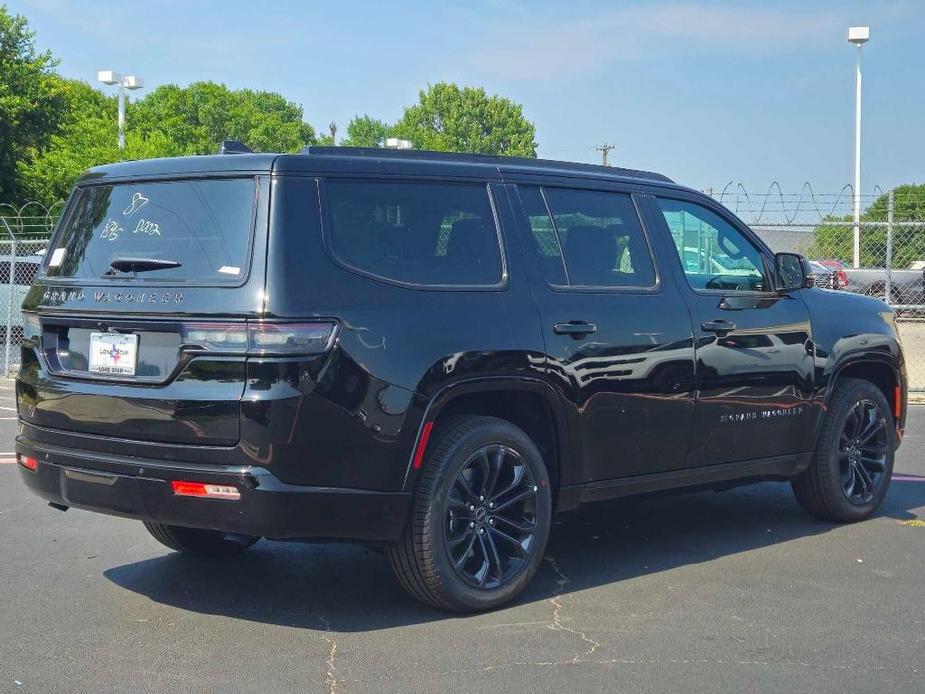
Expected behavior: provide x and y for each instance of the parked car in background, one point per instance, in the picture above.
(907, 287)
(839, 268)
(824, 277)
(12, 293)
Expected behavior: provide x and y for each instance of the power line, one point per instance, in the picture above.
(604, 149)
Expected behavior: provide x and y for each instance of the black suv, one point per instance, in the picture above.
(433, 353)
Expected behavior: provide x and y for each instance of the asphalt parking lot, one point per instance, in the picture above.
(733, 591)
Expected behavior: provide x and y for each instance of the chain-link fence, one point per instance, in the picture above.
(889, 242)
(24, 235)
(883, 255)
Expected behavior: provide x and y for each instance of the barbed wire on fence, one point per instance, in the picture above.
(806, 206)
(31, 219)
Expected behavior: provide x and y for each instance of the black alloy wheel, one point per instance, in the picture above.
(480, 519)
(849, 474)
(863, 449)
(491, 516)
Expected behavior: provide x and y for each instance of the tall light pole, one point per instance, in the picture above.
(125, 82)
(858, 36)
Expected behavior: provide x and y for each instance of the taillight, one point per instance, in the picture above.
(289, 338)
(262, 338)
(27, 461)
(205, 491)
(216, 337)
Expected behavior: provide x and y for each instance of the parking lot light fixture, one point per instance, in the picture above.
(132, 82)
(858, 36)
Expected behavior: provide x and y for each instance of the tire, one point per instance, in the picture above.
(204, 543)
(443, 530)
(823, 489)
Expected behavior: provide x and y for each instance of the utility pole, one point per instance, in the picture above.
(333, 127)
(604, 149)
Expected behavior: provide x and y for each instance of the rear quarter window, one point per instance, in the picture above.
(417, 233)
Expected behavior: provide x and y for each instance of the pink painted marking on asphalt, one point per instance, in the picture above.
(907, 478)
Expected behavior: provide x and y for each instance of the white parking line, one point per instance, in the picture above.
(8, 409)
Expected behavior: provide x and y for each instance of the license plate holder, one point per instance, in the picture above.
(113, 354)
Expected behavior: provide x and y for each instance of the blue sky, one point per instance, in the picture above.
(705, 92)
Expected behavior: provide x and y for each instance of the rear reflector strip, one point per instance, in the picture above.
(422, 446)
(27, 461)
(205, 491)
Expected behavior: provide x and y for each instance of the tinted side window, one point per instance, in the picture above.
(418, 233)
(601, 238)
(543, 243)
(713, 253)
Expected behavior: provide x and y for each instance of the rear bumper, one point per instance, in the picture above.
(140, 488)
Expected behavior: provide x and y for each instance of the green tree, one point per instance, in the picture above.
(834, 238)
(365, 131)
(87, 137)
(170, 121)
(32, 104)
(453, 119)
(198, 117)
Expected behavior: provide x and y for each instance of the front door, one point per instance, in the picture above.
(617, 335)
(753, 345)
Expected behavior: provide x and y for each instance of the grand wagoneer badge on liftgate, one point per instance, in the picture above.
(60, 296)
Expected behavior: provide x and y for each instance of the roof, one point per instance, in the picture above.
(346, 159)
(503, 164)
(172, 166)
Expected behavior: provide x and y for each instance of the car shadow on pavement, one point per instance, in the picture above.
(346, 588)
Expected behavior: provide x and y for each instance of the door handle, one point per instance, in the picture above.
(720, 327)
(576, 328)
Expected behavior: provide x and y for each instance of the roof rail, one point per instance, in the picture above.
(234, 147)
(507, 162)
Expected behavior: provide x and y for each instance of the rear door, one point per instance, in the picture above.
(617, 335)
(138, 311)
(754, 346)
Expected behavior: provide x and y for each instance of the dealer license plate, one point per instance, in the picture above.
(113, 354)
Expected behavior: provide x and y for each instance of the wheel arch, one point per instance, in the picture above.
(527, 403)
(879, 370)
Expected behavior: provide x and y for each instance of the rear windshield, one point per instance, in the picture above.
(202, 229)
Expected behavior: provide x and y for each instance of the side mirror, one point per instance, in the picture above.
(793, 272)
